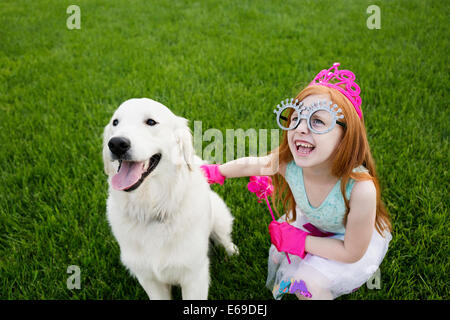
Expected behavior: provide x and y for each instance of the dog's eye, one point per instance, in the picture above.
(115, 122)
(151, 122)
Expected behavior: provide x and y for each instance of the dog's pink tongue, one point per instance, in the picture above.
(128, 175)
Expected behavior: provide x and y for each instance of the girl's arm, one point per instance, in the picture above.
(360, 225)
(251, 166)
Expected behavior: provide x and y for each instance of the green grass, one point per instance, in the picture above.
(227, 64)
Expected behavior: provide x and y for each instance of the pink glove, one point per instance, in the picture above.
(287, 238)
(213, 174)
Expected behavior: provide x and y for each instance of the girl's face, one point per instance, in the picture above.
(310, 149)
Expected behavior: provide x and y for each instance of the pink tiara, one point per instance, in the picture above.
(346, 77)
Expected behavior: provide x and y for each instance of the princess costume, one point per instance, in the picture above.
(333, 278)
(336, 277)
(297, 272)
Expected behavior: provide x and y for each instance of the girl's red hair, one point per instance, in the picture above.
(352, 151)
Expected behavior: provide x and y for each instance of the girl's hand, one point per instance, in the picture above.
(287, 238)
(212, 173)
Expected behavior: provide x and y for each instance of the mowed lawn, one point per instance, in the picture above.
(226, 64)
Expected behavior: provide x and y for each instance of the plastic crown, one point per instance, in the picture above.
(346, 77)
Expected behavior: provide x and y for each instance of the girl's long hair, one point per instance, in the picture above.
(352, 151)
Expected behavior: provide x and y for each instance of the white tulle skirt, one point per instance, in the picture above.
(322, 278)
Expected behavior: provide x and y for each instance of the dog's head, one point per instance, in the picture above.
(142, 138)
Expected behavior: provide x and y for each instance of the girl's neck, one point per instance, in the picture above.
(319, 174)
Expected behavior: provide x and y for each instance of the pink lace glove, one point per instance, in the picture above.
(213, 174)
(287, 238)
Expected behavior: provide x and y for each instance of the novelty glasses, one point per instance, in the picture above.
(321, 116)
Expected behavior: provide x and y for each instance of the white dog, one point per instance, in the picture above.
(160, 206)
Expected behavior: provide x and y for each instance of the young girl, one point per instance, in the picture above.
(337, 230)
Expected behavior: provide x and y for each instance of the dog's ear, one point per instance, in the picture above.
(183, 138)
(107, 164)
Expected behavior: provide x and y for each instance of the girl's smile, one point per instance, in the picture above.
(304, 148)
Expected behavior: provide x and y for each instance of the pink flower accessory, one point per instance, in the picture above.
(262, 186)
(339, 77)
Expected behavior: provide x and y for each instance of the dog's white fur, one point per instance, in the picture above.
(163, 226)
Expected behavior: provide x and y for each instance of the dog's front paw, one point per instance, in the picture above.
(232, 249)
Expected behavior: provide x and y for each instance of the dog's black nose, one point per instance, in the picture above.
(119, 145)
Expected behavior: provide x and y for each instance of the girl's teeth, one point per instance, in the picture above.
(304, 148)
(304, 145)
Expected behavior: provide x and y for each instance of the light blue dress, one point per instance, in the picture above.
(324, 278)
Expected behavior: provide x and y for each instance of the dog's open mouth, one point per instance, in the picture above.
(132, 173)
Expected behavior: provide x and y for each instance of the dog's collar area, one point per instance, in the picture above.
(154, 160)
